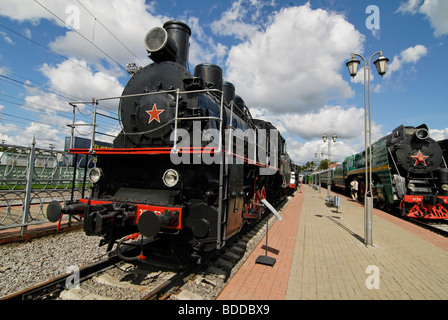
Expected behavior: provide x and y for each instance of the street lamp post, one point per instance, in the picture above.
(318, 155)
(381, 66)
(325, 138)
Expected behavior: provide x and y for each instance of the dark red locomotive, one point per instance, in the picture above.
(190, 165)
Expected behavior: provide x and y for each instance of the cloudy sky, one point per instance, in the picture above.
(286, 58)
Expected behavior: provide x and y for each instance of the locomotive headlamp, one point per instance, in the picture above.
(445, 187)
(171, 178)
(95, 174)
(160, 45)
(422, 134)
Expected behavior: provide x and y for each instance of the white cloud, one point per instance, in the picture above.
(303, 153)
(288, 69)
(410, 55)
(127, 20)
(233, 21)
(27, 33)
(204, 48)
(294, 65)
(434, 10)
(347, 124)
(438, 134)
(86, 75)
(5, 37)
(45, 135)
(31, 10)
(76, 81)
(413, 54)
(410, 6)
(76, 78)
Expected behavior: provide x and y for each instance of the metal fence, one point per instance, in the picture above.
(30, 178)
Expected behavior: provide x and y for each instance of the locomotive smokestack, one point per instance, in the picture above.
(170, 43)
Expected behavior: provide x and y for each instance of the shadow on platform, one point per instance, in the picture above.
(331, 218)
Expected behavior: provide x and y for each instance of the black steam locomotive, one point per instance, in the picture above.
(190, 165)
(409, 172)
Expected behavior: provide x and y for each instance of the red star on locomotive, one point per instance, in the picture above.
(420, 158)
(154, 114)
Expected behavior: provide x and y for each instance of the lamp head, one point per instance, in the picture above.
(381, 65)
(352, 65)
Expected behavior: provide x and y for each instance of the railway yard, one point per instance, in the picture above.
(319, 254)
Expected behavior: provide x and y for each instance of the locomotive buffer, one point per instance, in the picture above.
(265, 259)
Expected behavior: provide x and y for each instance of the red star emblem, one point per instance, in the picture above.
(420, 158)
(154, 114)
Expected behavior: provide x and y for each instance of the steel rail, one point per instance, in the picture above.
(51, 288)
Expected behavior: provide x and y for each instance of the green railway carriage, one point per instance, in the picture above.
(354, 167)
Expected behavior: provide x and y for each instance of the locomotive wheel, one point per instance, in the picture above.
(258, 197)
(253, 206)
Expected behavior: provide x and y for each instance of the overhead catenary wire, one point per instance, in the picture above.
(40, 107)
(55, 53)
(60, 93)
(27, 119)
(110, 32)
(17, 82)
(46, 89)
(81, 35)
(40, 85)
(49, 94)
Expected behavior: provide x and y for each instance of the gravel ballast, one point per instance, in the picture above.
(26, 264)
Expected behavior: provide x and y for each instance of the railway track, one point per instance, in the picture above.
(116, 279)
(439, 227)
(51, 289)
(105, 277)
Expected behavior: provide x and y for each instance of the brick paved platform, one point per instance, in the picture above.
(320, 254)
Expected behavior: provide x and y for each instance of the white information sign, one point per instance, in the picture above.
(275, 212)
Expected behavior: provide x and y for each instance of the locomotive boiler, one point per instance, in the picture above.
(190, 165)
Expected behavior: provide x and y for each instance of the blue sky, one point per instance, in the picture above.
(286, 59)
